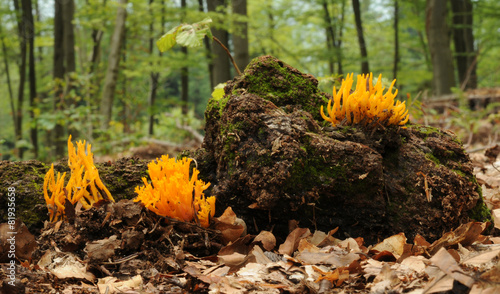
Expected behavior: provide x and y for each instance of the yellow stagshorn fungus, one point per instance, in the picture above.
(172, 193)
(84, 185)
(366, 105)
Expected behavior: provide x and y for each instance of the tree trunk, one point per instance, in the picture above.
(463, 39)
(108, 92)
(221, 69)
(396, 40)
(361, 38)
(206, 41)
(330, 36)
(338, 45)
(58, 75)
(240, 37)
(184, 69)
(153, 77)
(9, 83)
(439, 45)
(28, 12)
(24, 33)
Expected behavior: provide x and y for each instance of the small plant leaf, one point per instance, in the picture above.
(189, 35)
(168, 41)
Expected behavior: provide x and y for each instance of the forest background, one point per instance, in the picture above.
(92, 68)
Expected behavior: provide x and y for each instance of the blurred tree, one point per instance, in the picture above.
(23, 35)
(396, 40)
(240, 35)
(361, 38)
(221, 68)
(28, 14)
(439, 45)
(463, 39)
(109, 87)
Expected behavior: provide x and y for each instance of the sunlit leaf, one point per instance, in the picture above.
(188, 35)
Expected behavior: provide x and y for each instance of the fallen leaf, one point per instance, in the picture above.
(448, 265)
(394, 244)
(267, 239)
(292, 241)
(110, 285)
(466, 234)
(65, 265)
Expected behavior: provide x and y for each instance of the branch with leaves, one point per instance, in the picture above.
(191, 35)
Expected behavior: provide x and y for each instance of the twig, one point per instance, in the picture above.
(228, 53)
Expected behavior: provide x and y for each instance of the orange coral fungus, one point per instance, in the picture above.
(84, 184)
(366, 105)
(174, 194)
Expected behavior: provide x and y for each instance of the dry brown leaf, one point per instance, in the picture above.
(496, 217)
(448, 265)
(102, 250)
(110, 285)
(267, 239)
(230, 226)
(65, 265)
(394, 244)
(292, 241)
(466, 234)
(331, 258)
(305, 245)
(483, 258)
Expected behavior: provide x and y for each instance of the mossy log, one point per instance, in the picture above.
(120, 177)
(272, 158)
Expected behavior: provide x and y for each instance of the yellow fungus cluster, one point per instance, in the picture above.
(366, 105)
(84, 185)
(173, 193)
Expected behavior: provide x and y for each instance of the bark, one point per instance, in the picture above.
(439, 45)
(58, 75)
(330, 36)
(184, 69)
(240, 38)
(9, 83)
(28, 12)
(23, 35)
(68, 36)
(221, 68)
(339, 39)
(206, 41)
(396, 40)
(361, 38)
(463, 38)
(153, 77)
(109, 87)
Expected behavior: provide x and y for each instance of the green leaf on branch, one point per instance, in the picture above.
(188, 35)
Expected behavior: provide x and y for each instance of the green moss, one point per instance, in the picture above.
(283, 86)
(433, 158)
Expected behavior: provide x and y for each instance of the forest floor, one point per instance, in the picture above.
(127, 249)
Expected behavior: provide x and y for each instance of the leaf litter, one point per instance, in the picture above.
(123, 248)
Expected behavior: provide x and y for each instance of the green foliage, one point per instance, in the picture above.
(189, 35)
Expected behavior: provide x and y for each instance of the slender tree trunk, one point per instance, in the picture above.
(28, 12)
(9, 83)
(240, 38)
(330, 36)
(396, 40)
(208, 50)
(153, 76)
(58, 75)
(69, 36)
(39, 57)
(184, 69)
(463, 39)
(439, 45)
(109, 87)
(24, 33)
(361, 38)
(221, 69)
(339, 39)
